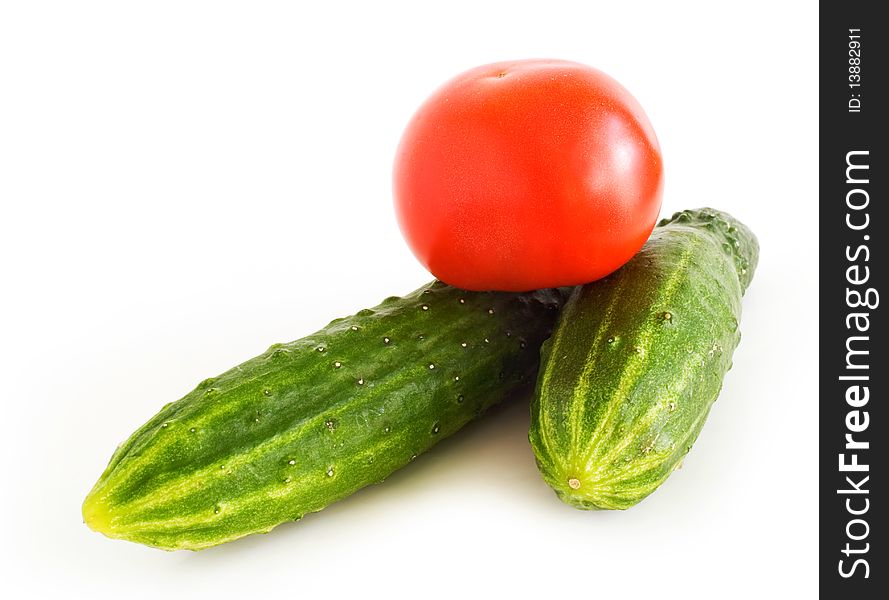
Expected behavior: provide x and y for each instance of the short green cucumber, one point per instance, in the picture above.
(312, 421)
(637, 359)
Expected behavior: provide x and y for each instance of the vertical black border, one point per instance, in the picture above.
(843, 131)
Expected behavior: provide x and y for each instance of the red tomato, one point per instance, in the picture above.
(527, 174)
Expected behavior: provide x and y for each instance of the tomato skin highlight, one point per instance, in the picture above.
(527, 174)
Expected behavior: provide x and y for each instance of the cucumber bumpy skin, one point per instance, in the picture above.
(637, 359)
(310, 422)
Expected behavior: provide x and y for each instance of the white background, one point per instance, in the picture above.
(183, 183)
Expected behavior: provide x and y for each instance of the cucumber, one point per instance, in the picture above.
(312, 421)
(637, 359)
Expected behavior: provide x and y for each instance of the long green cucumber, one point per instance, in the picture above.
(637, 359)
(310, 422)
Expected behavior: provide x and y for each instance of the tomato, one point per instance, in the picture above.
(527, 174)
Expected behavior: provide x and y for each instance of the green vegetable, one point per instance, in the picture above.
(637, 359)
(310, 422)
